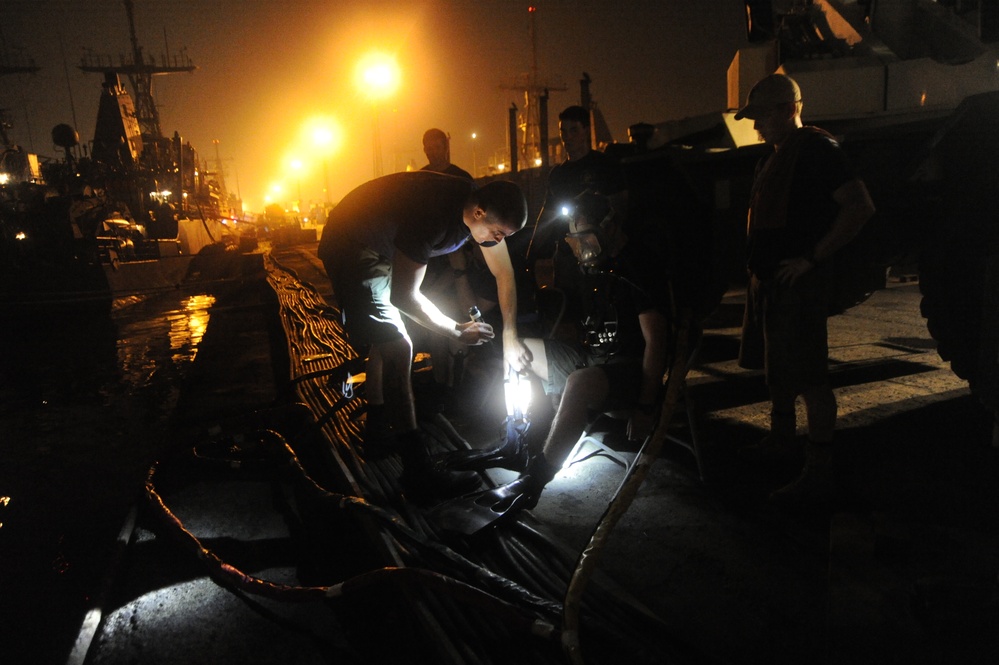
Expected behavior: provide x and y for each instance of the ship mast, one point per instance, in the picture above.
(8, 65)
(140, 74)
(530, 145)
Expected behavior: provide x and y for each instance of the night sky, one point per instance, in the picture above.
(267, 70)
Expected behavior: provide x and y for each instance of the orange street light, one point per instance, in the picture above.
(296, 166)
(474, 161)
(377, 78)
(326, 137)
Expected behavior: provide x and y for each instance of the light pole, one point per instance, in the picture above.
(323, 138)
(378, 78)
(475, 165)
(326, 184)
(376, 143)
(296, 166)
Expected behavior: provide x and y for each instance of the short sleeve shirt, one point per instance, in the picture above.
(820, 169)
(418, 213)
(452, 169)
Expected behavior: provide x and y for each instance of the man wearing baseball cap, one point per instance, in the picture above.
(806, 203)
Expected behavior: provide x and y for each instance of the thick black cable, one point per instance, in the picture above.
(474, 571)
(623, 497)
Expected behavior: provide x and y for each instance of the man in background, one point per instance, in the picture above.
(437, 148)
(806, 203)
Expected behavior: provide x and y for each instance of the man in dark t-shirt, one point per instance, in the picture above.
(437, 148)
(586, 179)
(806, 203)
(375, 245)
(588, 184)
(614, 354)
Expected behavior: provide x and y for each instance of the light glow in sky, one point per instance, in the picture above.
(266, 71)
(378, 76)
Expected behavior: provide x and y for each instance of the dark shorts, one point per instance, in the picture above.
(362, 285)
(784, 331)
(624, 375)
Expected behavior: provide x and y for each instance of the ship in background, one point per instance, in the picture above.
(140, 213)
(910, 88)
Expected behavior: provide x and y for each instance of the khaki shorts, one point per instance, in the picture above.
(362, 281)
(624, 374)
(784, 331)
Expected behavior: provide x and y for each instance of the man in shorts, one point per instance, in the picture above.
(375, 246)
(806, 203)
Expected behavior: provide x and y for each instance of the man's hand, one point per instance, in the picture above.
(473, 333)
(517, 355)
(791, 269)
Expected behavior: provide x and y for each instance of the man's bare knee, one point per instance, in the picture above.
(587, 386)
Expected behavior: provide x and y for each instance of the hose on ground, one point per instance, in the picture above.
(622, 499)
(253, 585)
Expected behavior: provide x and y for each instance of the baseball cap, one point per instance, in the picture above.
(769, 92)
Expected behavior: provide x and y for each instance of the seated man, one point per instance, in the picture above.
(616, 364)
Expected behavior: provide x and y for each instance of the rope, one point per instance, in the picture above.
(587, 562)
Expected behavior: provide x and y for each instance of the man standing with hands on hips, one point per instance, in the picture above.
(806, 203)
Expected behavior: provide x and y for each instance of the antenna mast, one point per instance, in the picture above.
(529, 143)
(18, 64)
(140, 75)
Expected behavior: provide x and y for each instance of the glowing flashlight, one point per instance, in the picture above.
(517, 391)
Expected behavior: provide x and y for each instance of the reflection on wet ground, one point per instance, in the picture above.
(155, 348)
(85, 399)
(68, 356)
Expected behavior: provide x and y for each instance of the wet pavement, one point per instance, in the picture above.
(902, 567)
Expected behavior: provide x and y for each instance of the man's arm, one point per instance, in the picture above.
(407, 277)
(498, 260)
(855, 208)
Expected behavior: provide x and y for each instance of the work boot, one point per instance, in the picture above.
(426, 477)
(779, 443)
(772, 447)
(816, 483)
